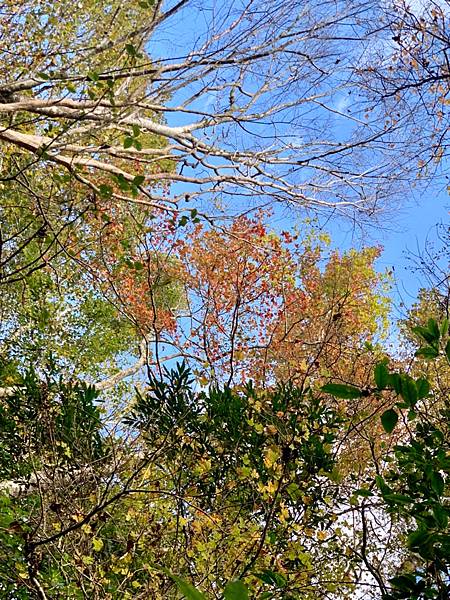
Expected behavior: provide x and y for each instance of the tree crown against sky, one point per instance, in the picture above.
(150, 153)
(259, 102)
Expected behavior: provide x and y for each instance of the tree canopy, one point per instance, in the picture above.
(200, 396)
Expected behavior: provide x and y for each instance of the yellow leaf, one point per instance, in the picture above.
(77, 517)
(86, 528)
(271, 456)
(126, 558)
(97, 544)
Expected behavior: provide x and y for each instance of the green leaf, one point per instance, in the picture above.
(272, 578)
(136, 130)
(381, 376)
(404, 582)
(294, 491)
(418, 538)
(401, 499)
(137, 144)
(437, 482)
(105, 190)
(395, 382)
(433, 327)
(131, 50)
(447, 349)
(423, 388)
(340, 390)
(235, 590)
(430, 336)
(139, 180)
(389, 420)
(123, 183)
(408, 390)
(444, 327)
(363, 492)
(427, 352)
(441, 516)
(189, 591)
(128, 142)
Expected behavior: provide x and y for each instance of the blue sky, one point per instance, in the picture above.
(400, 231)
(400, 234)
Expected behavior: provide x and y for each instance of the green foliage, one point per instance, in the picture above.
(389, 420)
(342, 391)
(235, 590)
(415, 487)
(48, 422)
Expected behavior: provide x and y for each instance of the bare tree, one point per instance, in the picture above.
(407, 79)
(252, 107)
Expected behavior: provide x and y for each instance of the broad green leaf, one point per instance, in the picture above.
(444, 327)
(341, 390)
(441, 515)
(429, 335)
(437, 482)
(139, 180)
(272, 578)
(427, 352)
(189, 591)
(128, 142)
(235, 590)
(423, 388)
(433, 327)
(447, 349)
(408, 390)
(395, 382)
(131, 50)
(404, 582)
(363, 492)
(381, 376)
(294, 491)
(105, 190)
(123, 183)
(418, 538)
(389, 420)
(401, 499)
